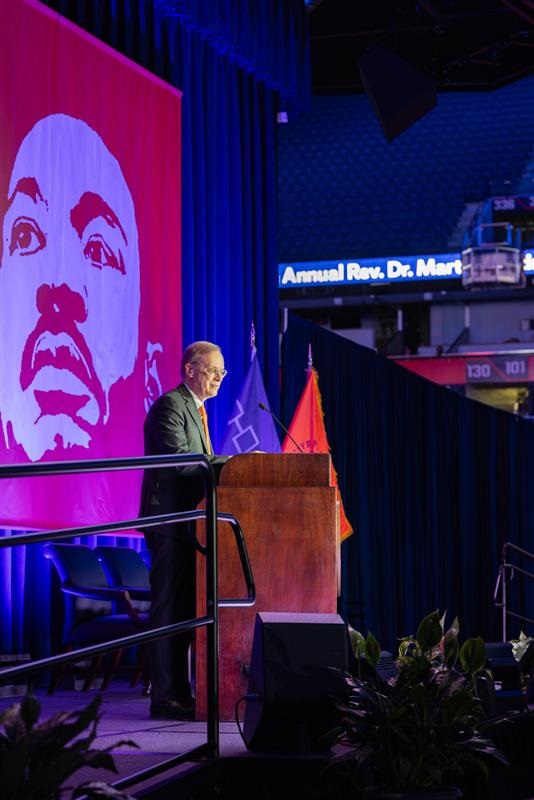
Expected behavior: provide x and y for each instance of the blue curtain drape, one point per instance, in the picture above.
(433, 483)
(229, 213)
(236, 63)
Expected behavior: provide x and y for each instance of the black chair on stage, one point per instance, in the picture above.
(125, 569)
(94, 611)
(146, 556)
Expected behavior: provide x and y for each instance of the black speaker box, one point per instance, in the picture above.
(291, 701)
(398, 91)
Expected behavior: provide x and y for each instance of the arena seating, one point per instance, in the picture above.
(345, 192)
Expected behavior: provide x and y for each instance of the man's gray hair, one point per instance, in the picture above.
(193, 351)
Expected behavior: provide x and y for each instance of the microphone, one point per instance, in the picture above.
(273, 415)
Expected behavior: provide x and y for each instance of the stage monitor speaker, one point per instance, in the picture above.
(292, 687)
(398, 91)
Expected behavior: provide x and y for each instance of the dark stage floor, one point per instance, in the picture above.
(125, 715)
(238, 775)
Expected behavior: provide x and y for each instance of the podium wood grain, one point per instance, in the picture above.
(290, 531)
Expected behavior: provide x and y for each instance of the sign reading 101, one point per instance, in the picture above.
(497, 369)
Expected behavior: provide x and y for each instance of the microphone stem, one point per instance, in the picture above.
(273, 415)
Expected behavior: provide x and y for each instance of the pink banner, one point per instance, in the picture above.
(90, 276)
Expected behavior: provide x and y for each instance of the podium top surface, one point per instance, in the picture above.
(276, 469)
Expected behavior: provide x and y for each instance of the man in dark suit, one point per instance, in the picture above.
(174, 424)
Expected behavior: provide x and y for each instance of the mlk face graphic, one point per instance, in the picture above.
(69, 288)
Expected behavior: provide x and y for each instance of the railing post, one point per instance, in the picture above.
(212, 631)
(503, 602)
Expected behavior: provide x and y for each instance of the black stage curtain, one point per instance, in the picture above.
(433, 483)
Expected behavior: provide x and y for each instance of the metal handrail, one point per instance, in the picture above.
(232, 602)
(506, 574)
(511, 546)
(150, 522)
(211, 747)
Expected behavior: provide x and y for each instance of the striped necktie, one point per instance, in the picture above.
(204, 416)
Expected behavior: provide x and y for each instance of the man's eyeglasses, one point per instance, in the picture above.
(212, 371)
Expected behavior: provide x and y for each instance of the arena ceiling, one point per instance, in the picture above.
(461, 44)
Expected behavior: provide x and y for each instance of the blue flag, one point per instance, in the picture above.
(250, 428)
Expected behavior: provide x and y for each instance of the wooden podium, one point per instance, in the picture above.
(287, 511)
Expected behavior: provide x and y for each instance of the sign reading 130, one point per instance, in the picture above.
(496, 369)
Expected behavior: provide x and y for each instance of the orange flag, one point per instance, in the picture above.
(308, 430)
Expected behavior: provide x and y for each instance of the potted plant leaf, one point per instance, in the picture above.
(523, 650)
(420, 732)
(37, 758)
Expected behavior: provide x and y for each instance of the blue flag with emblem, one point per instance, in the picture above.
(249, 427)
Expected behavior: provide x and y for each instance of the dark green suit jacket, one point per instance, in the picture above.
(174, 425)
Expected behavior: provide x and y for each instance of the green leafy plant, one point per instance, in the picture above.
(424, 727)
(37, 758)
